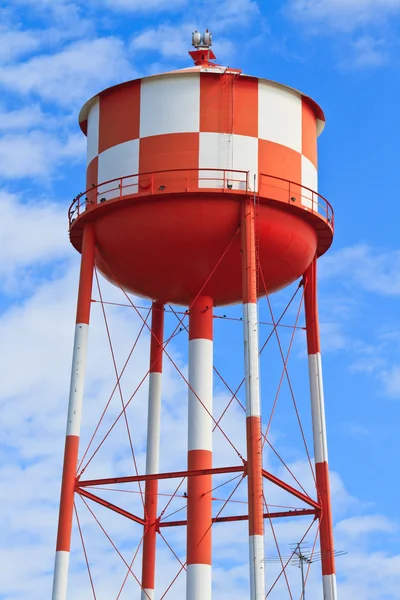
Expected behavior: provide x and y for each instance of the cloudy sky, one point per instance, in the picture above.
(55, 54)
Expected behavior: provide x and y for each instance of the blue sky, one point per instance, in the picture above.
(54, 55)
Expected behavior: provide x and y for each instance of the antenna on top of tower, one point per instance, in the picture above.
(202, 42)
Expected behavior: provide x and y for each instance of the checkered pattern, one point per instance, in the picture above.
(202, 118)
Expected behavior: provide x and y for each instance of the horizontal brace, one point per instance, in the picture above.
(291, 490)
(275, 515)
(112, 507)
(159, 476)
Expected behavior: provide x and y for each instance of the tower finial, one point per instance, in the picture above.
(202, 44)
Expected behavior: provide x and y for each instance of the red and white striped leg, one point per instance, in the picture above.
(319, 433)
(199, 503)
(253, 404)
(74, 417)
(153, 450)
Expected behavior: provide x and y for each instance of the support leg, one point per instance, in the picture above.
(319, 432)
(74, 417)
(153, 451)
(199, 511)
(253, 404)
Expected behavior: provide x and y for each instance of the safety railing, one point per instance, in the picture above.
(278, 188)
(158, 182)
(192, 180)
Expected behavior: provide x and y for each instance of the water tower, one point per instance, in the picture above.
(201, 193)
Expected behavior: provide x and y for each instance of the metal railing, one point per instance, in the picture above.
(165, 181)
(284, 190)
(193, 180)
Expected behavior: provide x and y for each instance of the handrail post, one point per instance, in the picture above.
(187, 181)
(152, 183)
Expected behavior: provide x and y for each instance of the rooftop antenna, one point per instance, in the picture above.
(202, 53)
(299, 557)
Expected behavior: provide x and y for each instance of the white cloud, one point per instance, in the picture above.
(148, 6)
(356, 527)
(36, 153)
(15, 44)
(342, 14)
(71, 75)
(366, 52)
(370, 269)
(31, 234)
(23, 118)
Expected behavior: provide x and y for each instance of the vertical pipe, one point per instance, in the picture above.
(253, 404)
(74, 416)
(153, 450)
(199, 503)
(319, 432)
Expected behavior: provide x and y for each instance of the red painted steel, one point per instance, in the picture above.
(199, 220)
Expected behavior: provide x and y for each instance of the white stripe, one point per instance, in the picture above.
(251, 360)
(77, 379)
(119, 161)
(329, 583)
(147, 594)
(257, 567)
(60, 576)
(92, 149)
(153, 423)
(198, 582)
(170, 105)
(200, 402)
(318, 408)
(280, 115)
(309, 178)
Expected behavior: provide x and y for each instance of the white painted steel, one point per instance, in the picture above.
(309, 178)
(245, 158)
(227, 152)
(170, 104)
(198, 582)
(251, 360)
(213, 152)
(60, 580)
(200, 422)
(92, 148)
(329, 584)
(77, 379)
(257, 567)
(119, 161)
(147, 594)
(153, 424)
(280, 115)
(318, 408)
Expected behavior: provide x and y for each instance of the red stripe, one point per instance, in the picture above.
(119, 115)
(86, 276)
(201, 319)
(309, 132)
(199, 511)
(229, 104)
(67, 493)
(92, 179)
(157, 336)
(311, 309)
(254, 476)
(245, 106)
(326, 529)
(280, 161)
(150, 537)
(249, 275)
